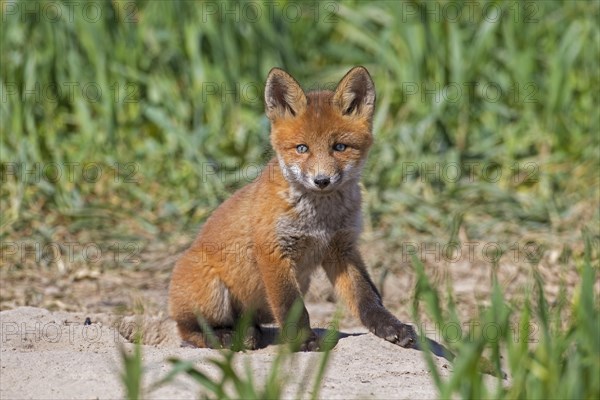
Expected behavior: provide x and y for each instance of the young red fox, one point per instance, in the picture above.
(257, 251)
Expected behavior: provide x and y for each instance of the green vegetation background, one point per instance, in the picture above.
(124, 123)
(152, 113)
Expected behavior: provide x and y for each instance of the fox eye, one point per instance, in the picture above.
(339, 147)
(301, 148)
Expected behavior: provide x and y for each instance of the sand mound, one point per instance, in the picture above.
(53, 355)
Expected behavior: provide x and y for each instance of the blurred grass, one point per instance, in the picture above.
(153, 115)
(545, 355)
(160, 95)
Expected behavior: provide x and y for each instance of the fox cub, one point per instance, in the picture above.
(257, 251)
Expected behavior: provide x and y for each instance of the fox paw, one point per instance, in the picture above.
(226, 338)
(311, 344)
(398, 333)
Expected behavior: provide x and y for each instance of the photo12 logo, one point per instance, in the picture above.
(469, 171)
(71, 172)
(56, 332)
(90, 92)
(69, 11)
(470, 251)
(272, 11)
(469, 11)
(470, 92)
(63, 254)
(238, 173)
(492, 332)
(248, 92)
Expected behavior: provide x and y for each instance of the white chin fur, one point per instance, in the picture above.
(293, 174)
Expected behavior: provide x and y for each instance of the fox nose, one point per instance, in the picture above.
(322, 181)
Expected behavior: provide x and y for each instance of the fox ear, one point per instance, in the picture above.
(283, 95)
(355, 94)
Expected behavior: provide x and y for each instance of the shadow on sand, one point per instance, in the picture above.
(270, 335)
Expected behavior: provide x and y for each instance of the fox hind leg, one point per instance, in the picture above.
(220, 337)
(207, 319)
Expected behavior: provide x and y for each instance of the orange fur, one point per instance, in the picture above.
(257, 251)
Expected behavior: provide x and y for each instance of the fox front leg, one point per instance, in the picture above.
(349, 276)
(285, 300)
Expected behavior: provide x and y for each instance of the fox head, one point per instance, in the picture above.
(321, 138)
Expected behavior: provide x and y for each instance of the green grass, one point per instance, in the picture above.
(543, 354)
(133, 368)
(146, 114)
(232, 381)
(235, 384)
(131, 377)
(152, 112)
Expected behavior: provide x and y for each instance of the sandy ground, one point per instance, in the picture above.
(52, 355)
(47, 352)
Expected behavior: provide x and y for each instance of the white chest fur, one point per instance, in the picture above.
(307, 232)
